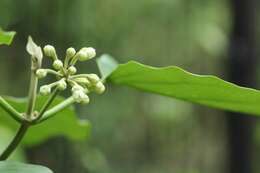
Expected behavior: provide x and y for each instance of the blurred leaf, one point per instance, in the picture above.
(6, 37)
(177, 83)
(65, 123)
(106, 64)
(14, 167)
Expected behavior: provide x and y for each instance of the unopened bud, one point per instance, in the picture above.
(82, 80)
(81, 55)
(57, 64)
(41, 73)
(77, 87)
(85, 99)
(72, 70)
(50, 51)
(80, 96)
(93, 78)
(45, 90)
(70, 52)
(62, 85)
(89, 53)
(100, 88)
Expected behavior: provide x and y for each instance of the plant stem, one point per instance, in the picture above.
(32, 94)
(10, 110)
(15, 142)
(51, 112)
(47, 104)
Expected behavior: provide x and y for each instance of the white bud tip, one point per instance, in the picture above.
(70, 52)
(77, 87)
(57, 64)
(72, 70)
(93, 78)
(89, 53)
(41, 73)
(84, 81)
(45, 90)
(80, 97)
(62, 85)
(49, 51)
(100, 88)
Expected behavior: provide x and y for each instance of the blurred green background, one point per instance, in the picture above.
(132, 132)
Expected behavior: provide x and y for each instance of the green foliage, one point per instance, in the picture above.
(106, 65)
(63, 123)
(6, 37)
(177, 83)
(13, 167)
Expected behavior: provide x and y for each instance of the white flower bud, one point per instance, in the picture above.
(70, 52)
(49, 51)
(84, 99)
(57, 64)
(93, 78)
(84, 81)
(80, 97)
(45, 90)
(82, 55)
(41, 73)
(76, 88)
(89, 53)
(62, 85)
(100, 88)
(72, 70)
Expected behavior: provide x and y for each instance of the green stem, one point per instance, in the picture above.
(50, 71)
(32, 94)
(47, 104)
(10, 110)
(51, 112)
(15, 142)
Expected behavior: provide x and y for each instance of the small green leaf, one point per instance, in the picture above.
(106, 64)
(14, 167)
(64, 123)
(177, 83)
(6, 37)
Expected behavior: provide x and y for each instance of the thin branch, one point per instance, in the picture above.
(47, 104)
(59, 107)
(10, 110)
(15, 142)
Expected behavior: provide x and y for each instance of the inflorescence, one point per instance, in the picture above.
(81, 84)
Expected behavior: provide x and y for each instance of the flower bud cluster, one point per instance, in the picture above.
(65, 71)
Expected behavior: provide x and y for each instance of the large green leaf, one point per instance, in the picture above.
(177, 83)
(14, 167)
(6, 37)
(64, 123)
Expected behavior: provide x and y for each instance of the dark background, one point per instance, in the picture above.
(134, 131)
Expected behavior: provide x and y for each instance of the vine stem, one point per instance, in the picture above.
(15, 142)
